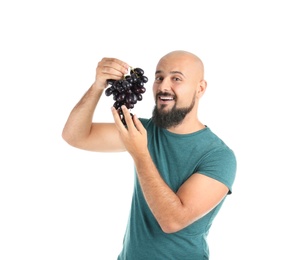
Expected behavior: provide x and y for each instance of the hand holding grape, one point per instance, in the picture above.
(109, 68)
(134, 136)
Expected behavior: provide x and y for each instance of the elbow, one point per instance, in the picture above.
(74, 139)
(171, 227)
(66, 136)
(174, 224)
(69, 138)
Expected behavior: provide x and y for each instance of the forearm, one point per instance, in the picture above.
(165, 205)
(79, 122)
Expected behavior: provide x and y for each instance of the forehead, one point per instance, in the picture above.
(183, 64)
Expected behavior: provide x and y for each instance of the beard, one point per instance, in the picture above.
(172, 117)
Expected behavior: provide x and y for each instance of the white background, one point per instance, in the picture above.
(58, 202)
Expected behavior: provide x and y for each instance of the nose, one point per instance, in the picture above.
(163, 86)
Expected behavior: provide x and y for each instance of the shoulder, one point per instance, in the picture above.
(219, 161)
(146, 121)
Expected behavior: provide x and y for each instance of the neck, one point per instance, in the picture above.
(187, 127)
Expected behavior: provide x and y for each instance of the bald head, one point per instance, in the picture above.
(184, 59)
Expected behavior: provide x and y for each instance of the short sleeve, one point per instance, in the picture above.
(220, 165)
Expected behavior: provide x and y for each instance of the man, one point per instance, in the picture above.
(183, 170)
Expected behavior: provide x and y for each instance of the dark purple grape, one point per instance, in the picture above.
(139, 71)
(135, 89)
(117, 104)
(144, 79)
(139, 83)
(129, 79)
(129, 105)
(120, 88)
(115, 95)
(126, 84)
(134, 78)
(141, 90)
(108, 91)
(110, 81)
(129, 90)
(131, 98)
(121, 97)
(139, 97)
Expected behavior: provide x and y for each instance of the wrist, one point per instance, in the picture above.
(99, 86)
(143, 158)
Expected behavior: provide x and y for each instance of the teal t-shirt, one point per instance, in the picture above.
(177, 157)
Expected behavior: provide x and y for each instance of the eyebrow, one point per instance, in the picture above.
(171, 72)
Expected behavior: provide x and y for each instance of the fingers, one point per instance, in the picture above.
(138, 124)
(132, 121)
(127, 118)
(117, 119)
(111, 68)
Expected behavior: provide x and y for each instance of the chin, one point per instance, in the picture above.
(164, 106)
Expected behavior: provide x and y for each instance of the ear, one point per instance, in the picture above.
(202, 87)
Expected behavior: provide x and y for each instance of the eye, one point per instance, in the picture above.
(159, 78)
(176, 79)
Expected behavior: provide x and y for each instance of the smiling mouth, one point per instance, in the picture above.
(165, 98)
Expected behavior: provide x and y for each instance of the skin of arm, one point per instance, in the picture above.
(79, 130)
(173, 211)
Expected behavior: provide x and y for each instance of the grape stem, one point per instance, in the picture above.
(131, 68)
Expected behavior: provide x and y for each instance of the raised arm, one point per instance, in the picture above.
(79, 130)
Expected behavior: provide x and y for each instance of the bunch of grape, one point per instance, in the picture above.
(127, 91)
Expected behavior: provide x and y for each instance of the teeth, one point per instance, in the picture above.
(166, 98)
